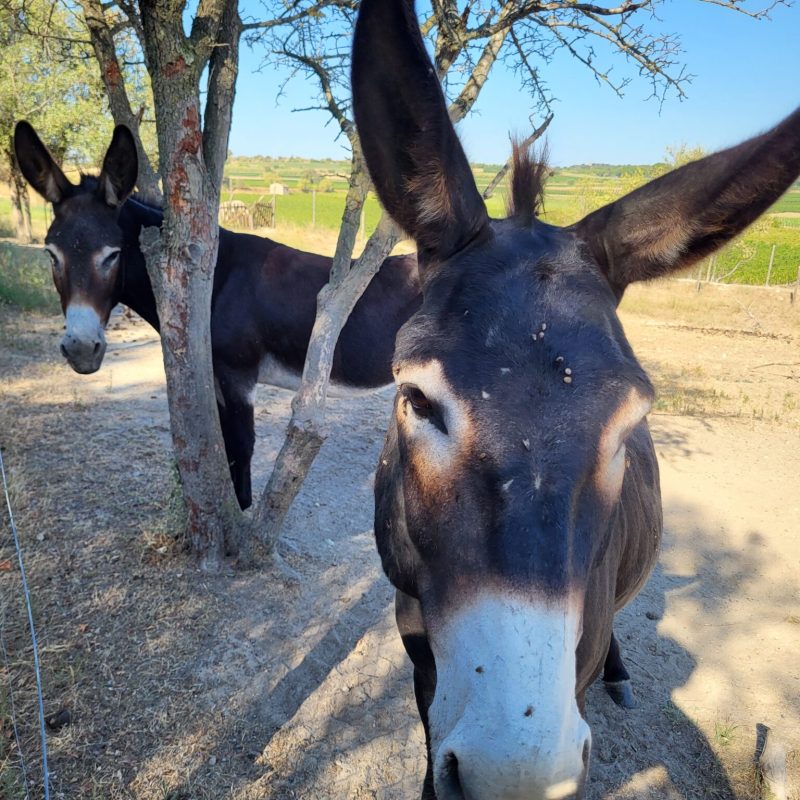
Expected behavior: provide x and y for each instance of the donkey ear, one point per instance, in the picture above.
(37, 165)
(120, 168)
(679, 218)
(414, 157)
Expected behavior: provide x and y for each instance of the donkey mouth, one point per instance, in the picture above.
(85, 363)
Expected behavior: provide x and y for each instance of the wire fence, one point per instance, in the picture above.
(36, 667)
(752, 269)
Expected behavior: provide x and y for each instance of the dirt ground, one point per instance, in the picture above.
(183, 686)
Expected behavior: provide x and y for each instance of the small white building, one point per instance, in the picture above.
(277, 188)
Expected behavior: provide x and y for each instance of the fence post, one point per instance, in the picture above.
(708, 272)
(771, 260)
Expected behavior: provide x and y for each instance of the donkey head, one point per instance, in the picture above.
(84, 240)
(519, 454)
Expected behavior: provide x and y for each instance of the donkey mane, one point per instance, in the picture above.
(88, 183)
(529, 173)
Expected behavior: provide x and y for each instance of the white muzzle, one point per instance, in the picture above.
(504, 721)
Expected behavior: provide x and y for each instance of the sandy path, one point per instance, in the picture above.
(305, 692)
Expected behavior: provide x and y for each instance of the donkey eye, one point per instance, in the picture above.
(416, 398)
(53, 259)
(423, 407)
(110, 260)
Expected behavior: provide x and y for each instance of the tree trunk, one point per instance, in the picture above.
(105, 51)
(348, 280)
(180, 262)
(20, 201)
(223, 69)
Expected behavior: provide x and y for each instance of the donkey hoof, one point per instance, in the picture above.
(621, 692)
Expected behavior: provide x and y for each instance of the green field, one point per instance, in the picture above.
(571, 193)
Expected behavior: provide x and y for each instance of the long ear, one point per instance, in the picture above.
(37, 165)
(414, 157)
(675, 220)
(120, 168)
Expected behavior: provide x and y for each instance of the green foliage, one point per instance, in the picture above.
(680, 154)
(25, 278)
(49, 77)
(789, 202)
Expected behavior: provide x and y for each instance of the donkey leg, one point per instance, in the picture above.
(412, 631)
(235, 403)
(616, 678)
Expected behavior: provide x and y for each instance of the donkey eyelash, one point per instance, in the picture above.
(109, 260)
(55, 262)
(422, 406)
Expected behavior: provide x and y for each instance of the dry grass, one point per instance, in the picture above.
(319, 240)
(724, 307)
(723, 352)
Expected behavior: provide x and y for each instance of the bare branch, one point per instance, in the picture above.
(735, 5)
(323, 75)
(290, 19)
(480, 73)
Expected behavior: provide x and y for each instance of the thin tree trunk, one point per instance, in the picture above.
(105, 52)
(460, 107)
(223, 69)
(180, 261)
(20, 201)
(336, 300)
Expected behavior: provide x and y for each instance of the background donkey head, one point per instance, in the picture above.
(84, 241)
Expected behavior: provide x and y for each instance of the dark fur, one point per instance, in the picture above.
(508, 306)
(264, 297)
(529, 174)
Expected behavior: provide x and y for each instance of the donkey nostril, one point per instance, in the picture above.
(450, 784)
(587, 750)
(96, 348)
(63, 351)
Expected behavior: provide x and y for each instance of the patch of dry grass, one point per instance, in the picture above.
(723, 352)
(320, 240)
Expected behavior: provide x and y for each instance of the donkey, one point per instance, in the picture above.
(517, 500)
(264, 294)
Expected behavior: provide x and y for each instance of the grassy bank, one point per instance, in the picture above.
(25, 278)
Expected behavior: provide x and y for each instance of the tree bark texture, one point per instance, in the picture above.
(105, 52)
(181, 262)
(223, 69)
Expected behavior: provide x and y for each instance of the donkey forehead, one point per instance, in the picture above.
(84, 224)
(523, 310)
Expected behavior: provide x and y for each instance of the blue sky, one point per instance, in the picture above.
(747, 76)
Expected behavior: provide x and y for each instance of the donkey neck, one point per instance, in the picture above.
(137, 291)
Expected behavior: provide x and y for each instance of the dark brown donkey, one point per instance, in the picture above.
(517, 497)
(264, 298)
